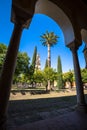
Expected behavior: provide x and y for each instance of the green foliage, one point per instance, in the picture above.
(34, 57)
(68, 76)
(2, 57)
(59, 71)
(46, 64)
(38, 76)
(59, 65)
(49, 38)
(84, 75)
(22, 78)
(22, 65)
(50, 74)
(3, 50)
(32, 66)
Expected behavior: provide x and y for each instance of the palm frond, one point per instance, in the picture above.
(49, 38)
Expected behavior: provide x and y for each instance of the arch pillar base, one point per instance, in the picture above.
(82, 108)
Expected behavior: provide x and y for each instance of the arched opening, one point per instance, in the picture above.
(48, 8)
(39, 25)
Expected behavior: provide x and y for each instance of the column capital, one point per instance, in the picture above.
(74, 45)
(22, 12)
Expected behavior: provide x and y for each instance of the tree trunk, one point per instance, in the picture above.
(49, 59)
(49, 65)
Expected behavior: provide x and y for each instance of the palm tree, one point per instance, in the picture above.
(49, 39)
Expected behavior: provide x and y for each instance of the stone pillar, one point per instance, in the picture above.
(22, 12)
(8, 70)
(81, 104)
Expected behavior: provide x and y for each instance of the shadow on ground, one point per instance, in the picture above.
(32, 92)
(35, 91)
(26, 111)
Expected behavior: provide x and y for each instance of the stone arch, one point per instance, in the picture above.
(52, 10)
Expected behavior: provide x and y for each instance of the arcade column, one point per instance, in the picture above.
(81, 104)
(21, 15)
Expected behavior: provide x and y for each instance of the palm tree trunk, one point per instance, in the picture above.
(49, 65)
(49, 57)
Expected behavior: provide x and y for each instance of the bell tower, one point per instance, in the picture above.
(38, 64)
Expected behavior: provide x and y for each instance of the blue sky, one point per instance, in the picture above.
(31, 38)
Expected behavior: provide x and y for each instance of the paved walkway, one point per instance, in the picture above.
(69, 121)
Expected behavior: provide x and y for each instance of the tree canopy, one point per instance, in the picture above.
(49, 38)
(3, 50)
(22, 64)
(84, 75)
